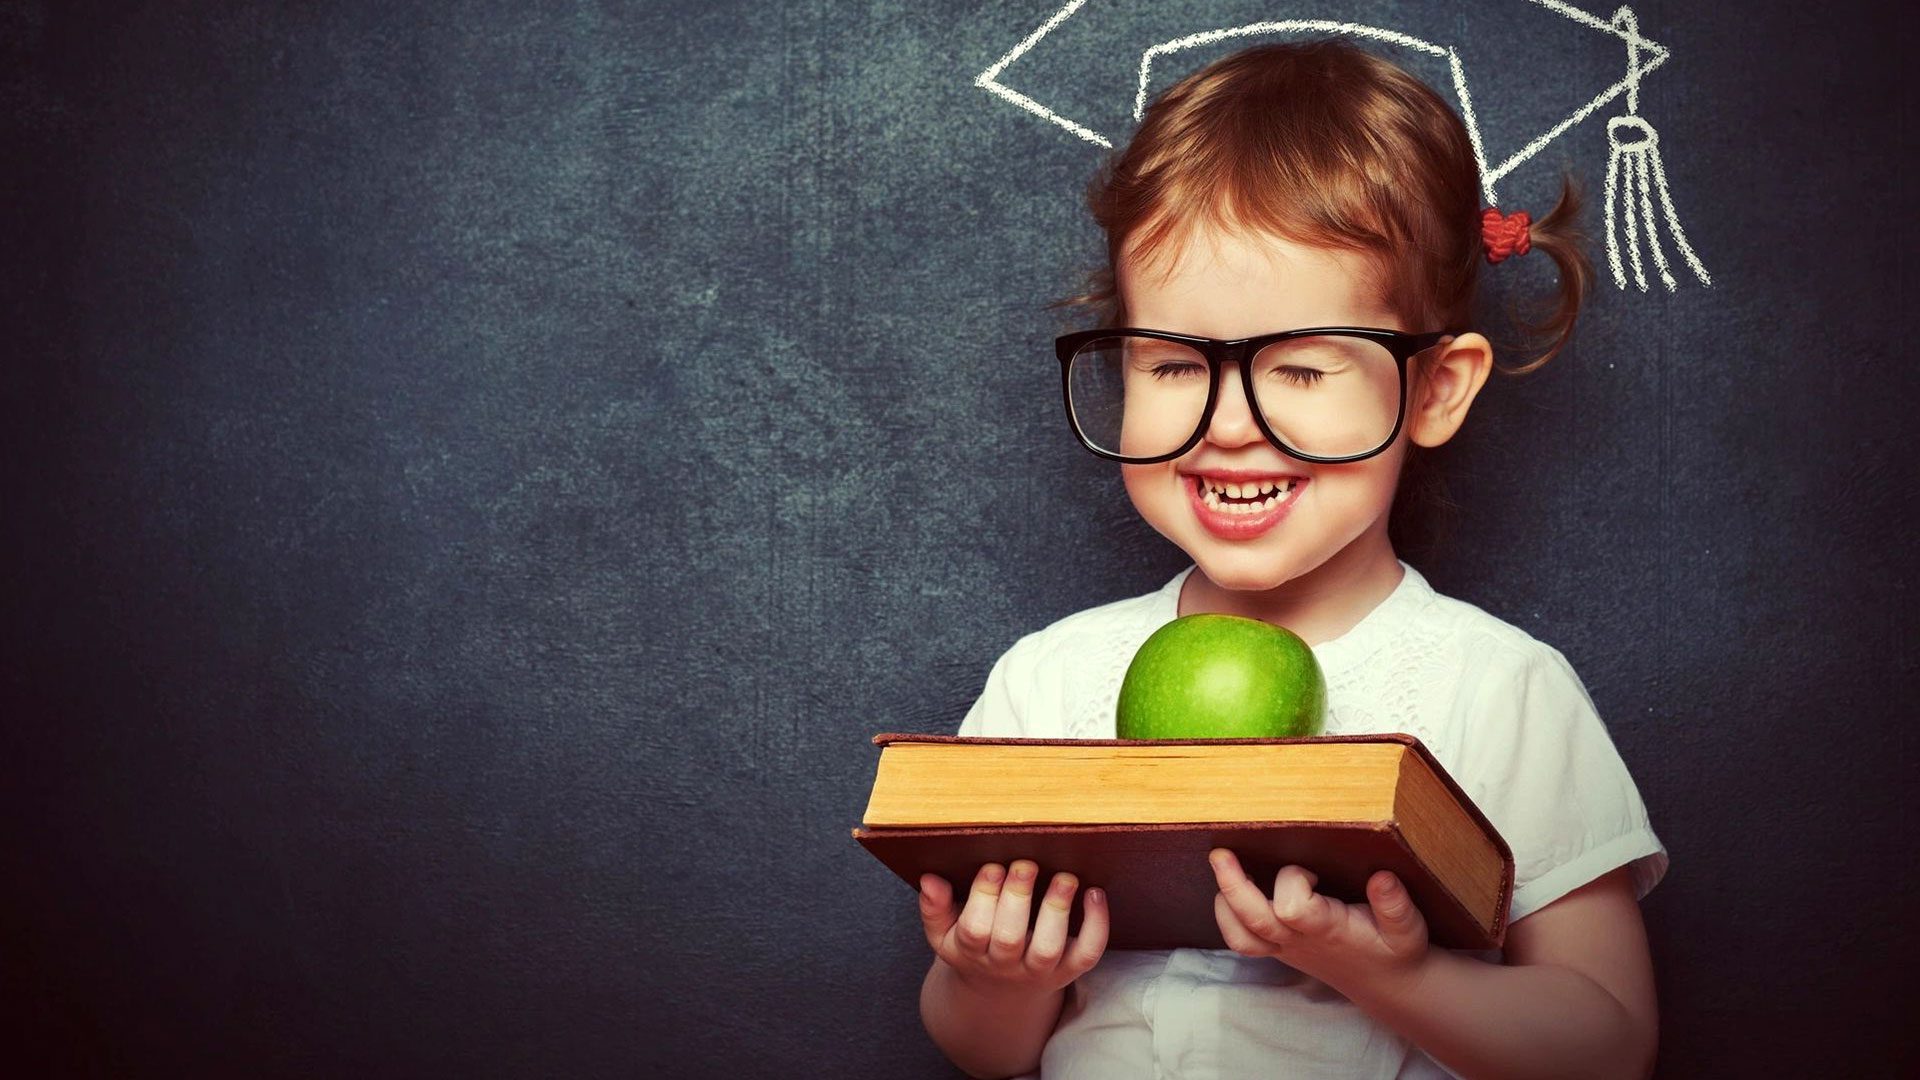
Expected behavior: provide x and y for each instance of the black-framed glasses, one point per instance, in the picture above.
(1325, 394)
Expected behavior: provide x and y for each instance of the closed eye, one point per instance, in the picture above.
(1172, 369)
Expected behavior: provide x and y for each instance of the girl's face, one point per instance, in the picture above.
(1334, 529)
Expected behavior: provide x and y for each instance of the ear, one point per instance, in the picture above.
(1445, 381)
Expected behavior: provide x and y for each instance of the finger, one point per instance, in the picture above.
(1010, 918)
(1249, 904)
(974, 932)
(1298, 907)
(936, 908)
(1050, 929)
(1091, 941)
(1235, 933)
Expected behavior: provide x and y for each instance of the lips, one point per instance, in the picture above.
(1229, 525)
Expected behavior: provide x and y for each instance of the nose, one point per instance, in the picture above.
(1232, 423)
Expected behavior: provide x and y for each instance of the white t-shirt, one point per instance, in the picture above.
(1503, 712)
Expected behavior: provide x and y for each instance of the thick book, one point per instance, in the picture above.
(1137, 818)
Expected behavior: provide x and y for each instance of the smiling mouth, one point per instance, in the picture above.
(1244, 498)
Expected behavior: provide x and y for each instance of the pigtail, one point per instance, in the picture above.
(1560, 238)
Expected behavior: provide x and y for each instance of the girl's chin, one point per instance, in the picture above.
(1247, 584)
(1245, 571)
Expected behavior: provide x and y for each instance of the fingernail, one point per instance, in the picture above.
(1096, 896)
(1218, 859)
(995, 875)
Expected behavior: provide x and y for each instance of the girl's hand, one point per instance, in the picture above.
(1382, 942)
(986, 943)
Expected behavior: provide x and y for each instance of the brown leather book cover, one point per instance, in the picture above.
(1159, 884)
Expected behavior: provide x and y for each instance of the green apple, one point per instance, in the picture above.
(1214, 676)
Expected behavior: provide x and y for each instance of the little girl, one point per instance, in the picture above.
(1294, 236)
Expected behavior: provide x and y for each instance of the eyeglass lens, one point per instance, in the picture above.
(1323, 395)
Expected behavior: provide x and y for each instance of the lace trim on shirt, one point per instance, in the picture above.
(1398, 686)
(1093, 711)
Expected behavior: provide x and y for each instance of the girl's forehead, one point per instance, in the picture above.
(1245, 278)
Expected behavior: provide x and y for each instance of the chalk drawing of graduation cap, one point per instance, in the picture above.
(1634, 172)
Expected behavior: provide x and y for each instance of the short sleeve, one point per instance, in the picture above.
(1002, 707)
(1540, 764)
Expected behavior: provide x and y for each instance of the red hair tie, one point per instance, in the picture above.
(1504, 234)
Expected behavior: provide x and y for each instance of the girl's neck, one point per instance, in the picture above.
(1320, 605)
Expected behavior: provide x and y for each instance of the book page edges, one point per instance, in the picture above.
(1449, 841)
(1073, 782)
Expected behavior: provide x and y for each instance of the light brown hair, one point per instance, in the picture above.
(1324, 144)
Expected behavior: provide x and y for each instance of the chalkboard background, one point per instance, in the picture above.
(476, 475)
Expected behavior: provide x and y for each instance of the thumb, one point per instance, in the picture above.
(1393, 909)
(936, 907)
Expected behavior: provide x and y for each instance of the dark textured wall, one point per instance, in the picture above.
(476, 474)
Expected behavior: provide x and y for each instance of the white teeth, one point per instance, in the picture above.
(1210, 495)
(1251, 488)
